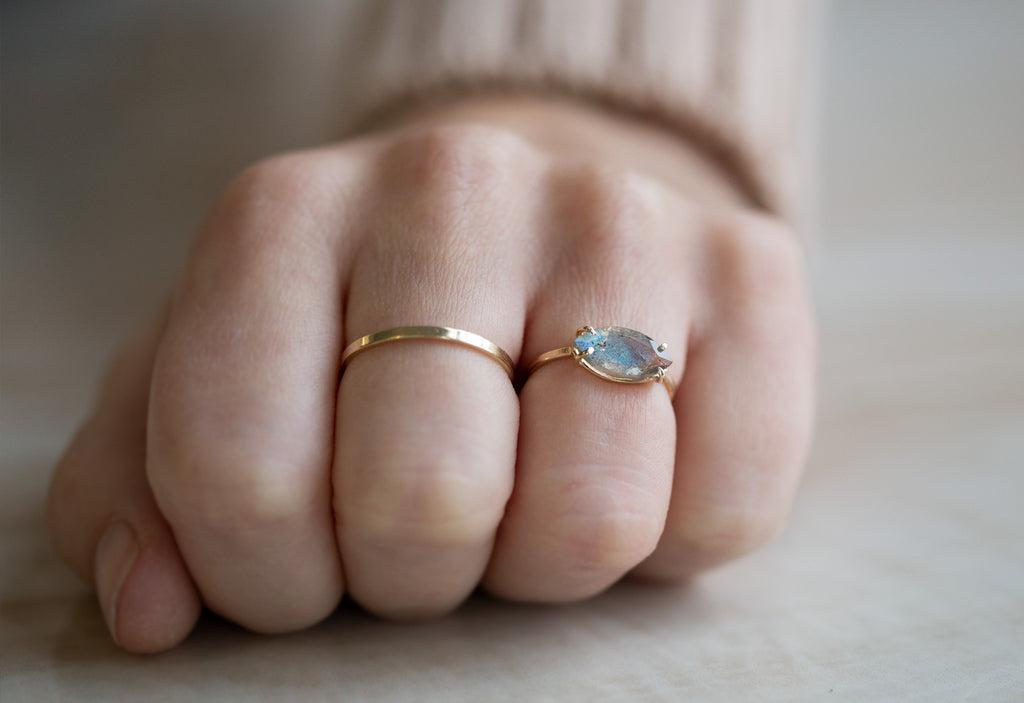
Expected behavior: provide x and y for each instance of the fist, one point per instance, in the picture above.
(229, 462)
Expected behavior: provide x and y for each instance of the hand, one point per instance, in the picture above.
(224, 463)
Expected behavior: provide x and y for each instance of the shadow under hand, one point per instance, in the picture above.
(485, 650)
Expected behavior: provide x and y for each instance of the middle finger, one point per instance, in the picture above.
(426, 431)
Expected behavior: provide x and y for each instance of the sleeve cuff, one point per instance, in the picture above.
(730, 75)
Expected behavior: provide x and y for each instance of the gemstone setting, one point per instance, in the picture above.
(620, 354)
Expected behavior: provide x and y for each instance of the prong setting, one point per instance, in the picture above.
(617, 354)
(581, 354)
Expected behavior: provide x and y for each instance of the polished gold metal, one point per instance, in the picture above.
(579, 357)
(440, 334)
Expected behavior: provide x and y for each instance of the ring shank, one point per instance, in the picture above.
(549, 356)
(430, 332)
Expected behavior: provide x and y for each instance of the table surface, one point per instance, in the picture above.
(901, 573)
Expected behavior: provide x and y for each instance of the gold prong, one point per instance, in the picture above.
(579, 356)
(661, 375)
(585, 329)
(663, 346)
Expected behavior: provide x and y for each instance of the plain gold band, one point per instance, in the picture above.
(440, 334)
(569, 352)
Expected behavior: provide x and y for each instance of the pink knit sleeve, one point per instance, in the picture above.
(729, 74)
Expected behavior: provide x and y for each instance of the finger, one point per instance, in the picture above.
(103, 519)
(744, 407)
(243, 397)
(595, 457)
(426, 431)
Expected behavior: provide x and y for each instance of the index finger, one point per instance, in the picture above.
(242, 404)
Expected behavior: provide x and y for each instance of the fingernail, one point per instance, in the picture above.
(115, 555)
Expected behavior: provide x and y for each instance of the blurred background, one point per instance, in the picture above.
(122, 120)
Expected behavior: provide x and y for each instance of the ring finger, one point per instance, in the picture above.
(595, 458)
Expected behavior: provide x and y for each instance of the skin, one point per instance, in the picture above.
(224, 464)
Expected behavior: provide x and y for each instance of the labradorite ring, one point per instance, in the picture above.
(616, 354)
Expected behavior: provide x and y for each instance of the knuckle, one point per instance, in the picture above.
(711, 536)
(436, 501)
(288, 179)
(758, 258)
(607, 537)
(275, 200)
(230, 496)
(617, 214)
(459, 160)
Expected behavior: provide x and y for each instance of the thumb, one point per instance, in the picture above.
(104, 521)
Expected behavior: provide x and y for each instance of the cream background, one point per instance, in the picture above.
(901, 575)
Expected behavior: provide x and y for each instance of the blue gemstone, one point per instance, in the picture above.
(621, 354)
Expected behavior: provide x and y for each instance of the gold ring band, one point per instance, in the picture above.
(440, 334)
(616, 354)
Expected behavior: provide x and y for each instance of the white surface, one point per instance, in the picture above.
(901, 576)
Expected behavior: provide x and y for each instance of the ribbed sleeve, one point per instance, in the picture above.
(730, 74)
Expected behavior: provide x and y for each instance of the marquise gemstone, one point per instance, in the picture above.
(621, 354)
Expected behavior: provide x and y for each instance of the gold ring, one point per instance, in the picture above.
(441, 334)
(616, 354)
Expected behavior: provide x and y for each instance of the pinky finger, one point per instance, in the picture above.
(105, 523)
